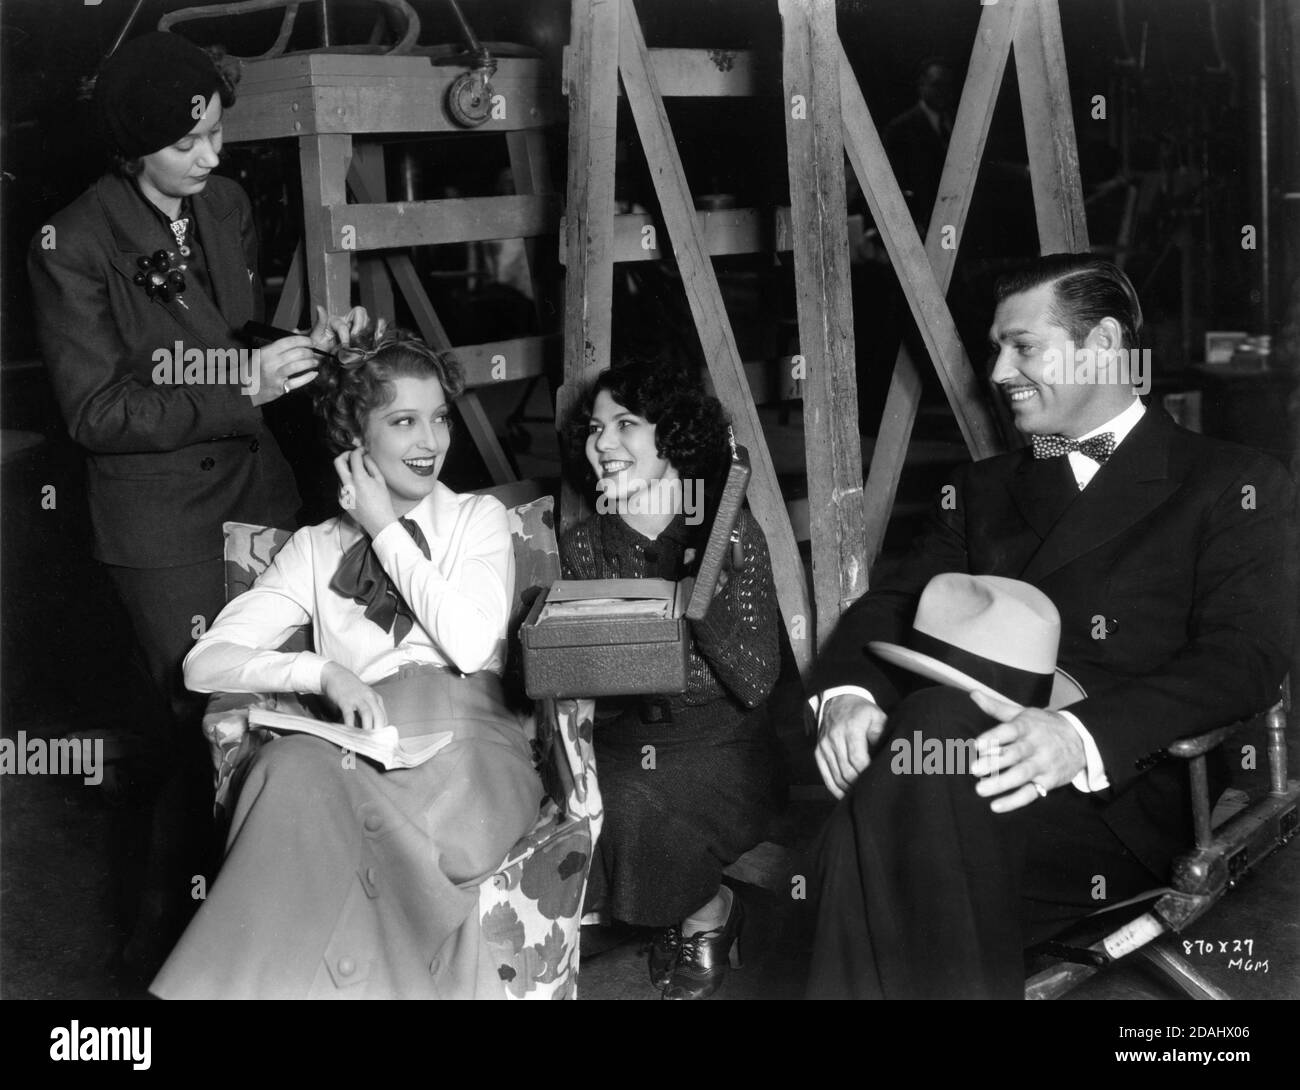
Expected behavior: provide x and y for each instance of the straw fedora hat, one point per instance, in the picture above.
(984, 633)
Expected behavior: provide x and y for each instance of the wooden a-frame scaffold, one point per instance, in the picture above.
(825, 116)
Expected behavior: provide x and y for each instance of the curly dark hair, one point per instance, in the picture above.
(690, 425)
(228, 75)
(360, 379)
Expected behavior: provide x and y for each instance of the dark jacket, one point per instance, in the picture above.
(917, 153)
(1174, 572)
(167, 464)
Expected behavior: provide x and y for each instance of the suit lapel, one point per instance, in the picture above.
(135, 231)
(1042, 490)
(227, 269)
(1135, 481)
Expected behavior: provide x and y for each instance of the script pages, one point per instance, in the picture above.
(384, 746)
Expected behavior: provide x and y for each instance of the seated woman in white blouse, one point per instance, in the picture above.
(341, 879)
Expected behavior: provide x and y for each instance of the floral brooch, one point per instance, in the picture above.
(161, 276)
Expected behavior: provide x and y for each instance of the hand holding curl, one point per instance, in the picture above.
(328, 333)
(363, 491)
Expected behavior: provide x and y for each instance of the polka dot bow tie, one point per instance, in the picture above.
(1099, 448)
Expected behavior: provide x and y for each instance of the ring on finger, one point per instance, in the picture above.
(1042, 791)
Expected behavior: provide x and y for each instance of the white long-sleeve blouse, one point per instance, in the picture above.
(460, 599)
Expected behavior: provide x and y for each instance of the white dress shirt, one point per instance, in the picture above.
(1093, 775)
(1084, 467)
(460, 600)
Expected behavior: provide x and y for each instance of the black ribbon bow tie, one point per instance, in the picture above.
(361, 577)
(1099, 448)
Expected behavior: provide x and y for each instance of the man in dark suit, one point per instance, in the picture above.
(1171, 559)
(916, 141)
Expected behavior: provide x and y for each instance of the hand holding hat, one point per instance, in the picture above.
(988, 634)
(997, 639)
(1030, 752)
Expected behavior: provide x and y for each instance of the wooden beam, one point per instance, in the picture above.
(815, 158)
(716, 338)
(480, 429)
(1049, 131)
(402, 224)
(361, 70)
(372, 276)
(924, 296)
(531, 176)
(731, 231)
(402, 270)
(403, 274)
(591, 82)
(325, 161)
(979, 98)
(311, 95)
(504, 361)
(708, 73)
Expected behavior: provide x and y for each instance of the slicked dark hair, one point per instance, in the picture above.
(1085, 289)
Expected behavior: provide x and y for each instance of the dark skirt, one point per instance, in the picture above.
(342, 880)
(683, 799)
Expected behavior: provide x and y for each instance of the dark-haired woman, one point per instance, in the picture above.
(686, 779)
(341, 879)
(173, 449)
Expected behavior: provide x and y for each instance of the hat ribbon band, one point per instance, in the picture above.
(1023, 686)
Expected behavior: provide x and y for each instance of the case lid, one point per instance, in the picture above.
(572, 590)
(605, 622)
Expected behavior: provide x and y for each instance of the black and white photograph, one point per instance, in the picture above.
(651, 500)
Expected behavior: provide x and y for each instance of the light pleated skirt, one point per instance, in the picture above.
(342, 880)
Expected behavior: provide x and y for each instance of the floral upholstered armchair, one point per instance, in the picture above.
(531, 906)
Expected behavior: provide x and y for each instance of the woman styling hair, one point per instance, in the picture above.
(140, 285)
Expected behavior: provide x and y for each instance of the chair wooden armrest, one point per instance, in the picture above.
(1194, 749)
(1196, 744)
(1201, 876)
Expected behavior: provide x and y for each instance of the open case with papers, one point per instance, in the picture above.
(628, 637)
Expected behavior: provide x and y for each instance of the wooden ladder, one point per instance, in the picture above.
(340, 107)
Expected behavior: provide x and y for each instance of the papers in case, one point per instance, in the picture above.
(627, 637)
